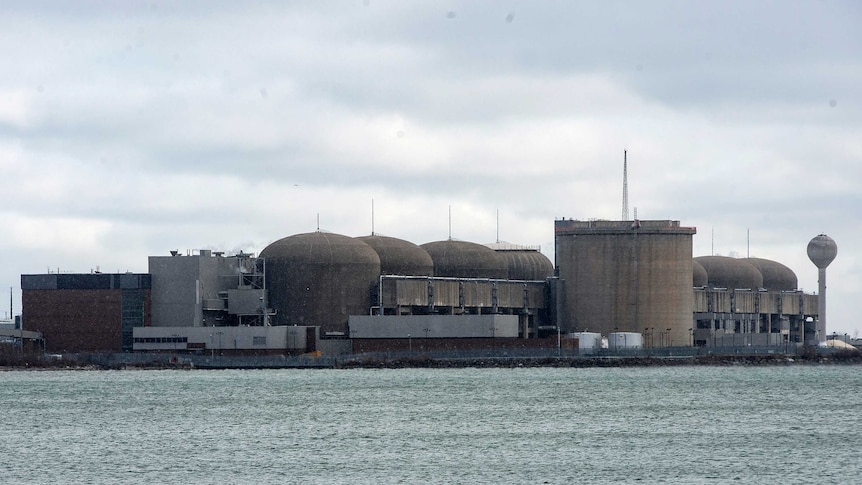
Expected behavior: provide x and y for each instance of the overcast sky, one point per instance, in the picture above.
(128, 129)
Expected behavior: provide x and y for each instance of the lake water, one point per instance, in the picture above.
(796, 424)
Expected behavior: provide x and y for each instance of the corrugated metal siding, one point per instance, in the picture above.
(477, 294)
(510, 295)
(790, 303)
(745, 301)
(810, 305)
(446, 293)
(409, 292)
(769, 302)
(701, 301)
(721, 302)
(464, 293)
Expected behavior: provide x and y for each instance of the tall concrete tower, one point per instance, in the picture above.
(821, 251)
(626, 276)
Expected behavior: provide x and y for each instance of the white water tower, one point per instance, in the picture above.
(821, 251)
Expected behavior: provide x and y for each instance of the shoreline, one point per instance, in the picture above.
(615, 361)
(426, 362)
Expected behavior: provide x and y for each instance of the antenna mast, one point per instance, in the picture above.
(450, 222)
(372, 217)
(625, 187)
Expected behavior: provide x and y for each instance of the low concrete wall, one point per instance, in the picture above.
(433, 326)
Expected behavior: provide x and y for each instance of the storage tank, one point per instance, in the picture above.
(400, 257)
(625, 340)
(461, 259)
(625, 275)
(588, 342)
(320, 278)
(730, 273)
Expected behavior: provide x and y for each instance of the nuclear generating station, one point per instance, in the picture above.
(625, 284)
(629, 284)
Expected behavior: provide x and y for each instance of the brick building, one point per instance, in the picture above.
(93, 312)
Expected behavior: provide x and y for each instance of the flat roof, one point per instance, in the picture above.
(600, 226)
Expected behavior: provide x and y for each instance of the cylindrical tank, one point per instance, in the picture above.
(625, 340)
(320, 279)
(527, 264)
(400, 257)
(730, 273)
(699, 277)
(775, 275)
(461, 259)
(588, 342)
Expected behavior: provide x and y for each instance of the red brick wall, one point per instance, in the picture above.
(75, 320)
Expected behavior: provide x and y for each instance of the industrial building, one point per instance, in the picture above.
(93, 312)
(749, 301)
(231, 340)
(634, 283)
(207, 289)
(626, 276)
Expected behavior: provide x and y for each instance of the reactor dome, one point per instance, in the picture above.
(776, 276)
(461, 259)
(822, 250)
(320, 279)
(400, 257)
(524, 263)
(730, 273)
(699, 278)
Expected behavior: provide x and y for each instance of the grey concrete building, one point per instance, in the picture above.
(237, 340)
(626, 276)
(208, 289)
(749, 302)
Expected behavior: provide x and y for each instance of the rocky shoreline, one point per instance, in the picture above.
(591, 362)
(11, 363)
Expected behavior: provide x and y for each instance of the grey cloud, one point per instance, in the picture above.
(162, 125)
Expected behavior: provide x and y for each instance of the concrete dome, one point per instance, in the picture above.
(822, 250)
(400, 257)
(461, 259)
(698, 275)
(527, 264)
(320, 279)
(776, 276)
(730, 273)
